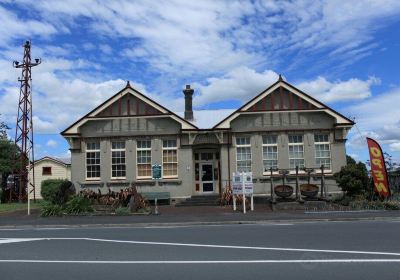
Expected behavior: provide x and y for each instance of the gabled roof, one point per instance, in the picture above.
(73, 129)
(319, 106)
(62, 161)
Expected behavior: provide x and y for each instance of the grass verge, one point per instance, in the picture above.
(11, 207)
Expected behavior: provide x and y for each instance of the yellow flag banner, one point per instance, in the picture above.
(378, 168)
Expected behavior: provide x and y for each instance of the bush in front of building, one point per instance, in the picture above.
(50, 209)
(56, 191)
(78, 205)
(352, 178)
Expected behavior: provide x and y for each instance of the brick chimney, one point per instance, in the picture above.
(188, 92)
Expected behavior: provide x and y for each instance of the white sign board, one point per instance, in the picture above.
(242, 183)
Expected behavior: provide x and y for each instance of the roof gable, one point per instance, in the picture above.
(282, 96)
(126, 103)
(64, 162)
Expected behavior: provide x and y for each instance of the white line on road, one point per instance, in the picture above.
(209, 261)
(208, 246)
(14, 240)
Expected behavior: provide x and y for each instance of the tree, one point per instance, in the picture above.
(7, 156)
(352, 178)
(3, 130)
(7, 162)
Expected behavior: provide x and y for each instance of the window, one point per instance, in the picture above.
(322, 151)
(270, 152)
(243, 154)
(93, 160)
(207, 156)
(170, 158)
(296, 151)
(118, 167)
(143, 156)
(46, 170)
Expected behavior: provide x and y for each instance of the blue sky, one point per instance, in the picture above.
(344, 53)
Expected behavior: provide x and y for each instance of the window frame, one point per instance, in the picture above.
(112, 164)
(175, 148)
(266, 145)
(90, 150)
(330, 152)
(137, 163)
(246, 145)
(46, 173)
(296, 144)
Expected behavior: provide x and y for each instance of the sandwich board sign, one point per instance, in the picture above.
(242, 184)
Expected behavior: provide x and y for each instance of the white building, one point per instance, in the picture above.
(49, 168)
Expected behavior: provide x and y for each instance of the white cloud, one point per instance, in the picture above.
(213, 37)
(241, 83)
(105, 48)
(395, 147)
(339, 91)
(13, 27)
(51, 143)
(378, 118)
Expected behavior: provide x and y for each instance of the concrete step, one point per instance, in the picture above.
(200, 200)
(189, 204)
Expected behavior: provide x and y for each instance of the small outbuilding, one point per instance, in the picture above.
(49, 168)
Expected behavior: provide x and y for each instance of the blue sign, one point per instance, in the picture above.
(156, 172)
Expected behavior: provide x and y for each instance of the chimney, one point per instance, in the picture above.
(188, 92)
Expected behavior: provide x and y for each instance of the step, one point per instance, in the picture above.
(188, 204)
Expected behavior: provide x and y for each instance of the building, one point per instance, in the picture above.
(49, 168)
(116, 144)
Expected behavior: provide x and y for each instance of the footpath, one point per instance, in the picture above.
(199, 215)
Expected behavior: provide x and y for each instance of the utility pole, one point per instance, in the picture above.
(24, 128)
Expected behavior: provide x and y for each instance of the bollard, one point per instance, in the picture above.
(156, 207)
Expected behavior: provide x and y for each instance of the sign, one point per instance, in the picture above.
(242, 183)
(156, 171)
(378, 168)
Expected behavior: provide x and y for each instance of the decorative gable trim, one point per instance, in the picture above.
(319, 106)
(73, 129)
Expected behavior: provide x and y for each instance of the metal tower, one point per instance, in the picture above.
(24, 128)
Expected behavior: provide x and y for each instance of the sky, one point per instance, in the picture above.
(344, 53)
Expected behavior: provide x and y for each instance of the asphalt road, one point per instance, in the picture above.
(306, 250)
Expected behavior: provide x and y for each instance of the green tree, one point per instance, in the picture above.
(352, 178)
(7, 155)
(7, 162)
(3, 130)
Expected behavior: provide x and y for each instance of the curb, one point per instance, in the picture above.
(207, 223)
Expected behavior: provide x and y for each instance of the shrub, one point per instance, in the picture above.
(78, 204)
(56, 191)
(122, 211)
(392, 205)
(50, 209)
(352, 178)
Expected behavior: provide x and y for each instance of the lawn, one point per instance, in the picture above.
(10, 207)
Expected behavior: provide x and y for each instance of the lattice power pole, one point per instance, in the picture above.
(24, 128)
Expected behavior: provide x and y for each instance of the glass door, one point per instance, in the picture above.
(207, 179)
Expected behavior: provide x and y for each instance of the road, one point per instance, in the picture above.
(304, 250)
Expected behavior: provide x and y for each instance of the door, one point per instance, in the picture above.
(207, 180)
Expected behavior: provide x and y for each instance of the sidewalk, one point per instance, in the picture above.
(170, 215)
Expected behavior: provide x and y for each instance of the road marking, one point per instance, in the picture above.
(209, 261)
(244, 247)
(14, 240)
(208, 246)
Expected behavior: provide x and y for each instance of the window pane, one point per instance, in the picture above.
(269, 139)
(243, 141)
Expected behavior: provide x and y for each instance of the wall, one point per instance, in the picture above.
(129, 127)
(178, 187)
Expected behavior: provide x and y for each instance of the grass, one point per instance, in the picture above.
(11, 207)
